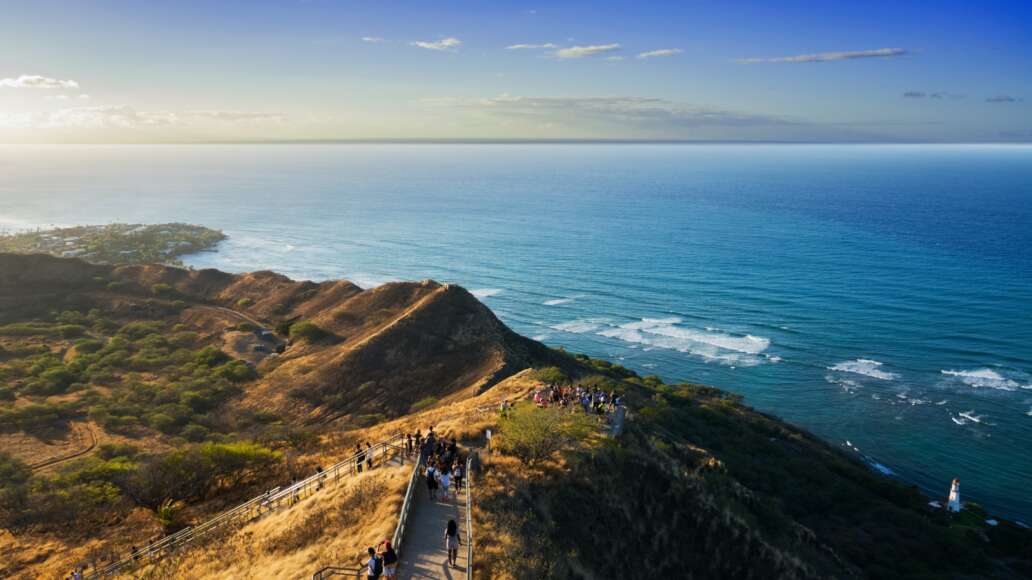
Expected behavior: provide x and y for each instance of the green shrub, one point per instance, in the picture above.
(423, 404)
(236, 371)
(245, 302)
(140, 329)
(183, 339)
(13, 471)
(534, 435)
(211, 356)
(161, 289)
(551, 375)
(195, 433)
(306, 330)
(88, 345)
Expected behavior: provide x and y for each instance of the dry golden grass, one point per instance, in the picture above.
(332, 527)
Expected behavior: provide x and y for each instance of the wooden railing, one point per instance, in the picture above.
(269, 501)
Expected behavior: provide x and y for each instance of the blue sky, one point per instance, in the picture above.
(158, 70)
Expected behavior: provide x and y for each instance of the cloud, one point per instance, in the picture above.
(1002, 99)
(660, 53)
(830, 56)
(37, 82)
(445, 44)
(84, 96)
(126, 117)
(627, 112)
(373, 39)
(233, 116)
(531, 46)
(935, 95)
(614, 58)
(583, 51)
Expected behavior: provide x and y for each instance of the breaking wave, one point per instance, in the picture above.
(865, 367)
(986, 379)
(486, 292)
(710, 344)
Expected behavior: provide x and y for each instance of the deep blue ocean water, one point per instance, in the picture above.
(880, 296)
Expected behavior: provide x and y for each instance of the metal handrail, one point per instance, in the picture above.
(271, 500)
(469, 517)
(406, 506)
(329, 571)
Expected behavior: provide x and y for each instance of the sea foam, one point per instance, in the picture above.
(486, 292)
(986, 379)
(710, 345)
(865, 367)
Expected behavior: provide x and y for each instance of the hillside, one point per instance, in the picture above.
(136, 400)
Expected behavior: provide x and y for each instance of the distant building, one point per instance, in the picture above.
(954, 502)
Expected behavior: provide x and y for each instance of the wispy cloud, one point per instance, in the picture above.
(373, 39)
(662, 52)
(445, 44)
(630, 112)
(584, 51)
(614, 58)
(531, 46)
(935, 95)
(829, 56)
(127, 117)
(234, 116)
(37, 82)
(1003, 99)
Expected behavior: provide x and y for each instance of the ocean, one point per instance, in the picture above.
(877, 295)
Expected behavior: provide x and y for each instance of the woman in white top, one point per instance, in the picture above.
(445, 479)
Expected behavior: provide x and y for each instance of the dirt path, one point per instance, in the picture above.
(91, 437)
(423, 553)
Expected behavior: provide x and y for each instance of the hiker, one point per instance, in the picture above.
(419, 439)
(457, 476)
(408, 444)
(445, 483)
(77, 574)
(319, 472)
(359, 457)
(134, 553)
(369, 456)
(374, 566)
(390, 560)
(431, 482)
(452, 542)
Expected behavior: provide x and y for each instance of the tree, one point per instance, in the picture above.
(534, 434)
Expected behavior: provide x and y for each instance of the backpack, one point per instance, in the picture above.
(377, 566)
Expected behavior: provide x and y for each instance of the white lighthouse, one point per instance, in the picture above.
(954, 502)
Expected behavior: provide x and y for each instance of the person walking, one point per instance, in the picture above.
(452, 542)
(369, 456)
(445, 483)
(457, 476)
(390, 560)
(431, 482)
(359, 457)
(374, 567)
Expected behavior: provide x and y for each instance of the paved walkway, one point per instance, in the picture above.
(423, 554)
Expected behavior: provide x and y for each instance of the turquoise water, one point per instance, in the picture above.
(879, 296)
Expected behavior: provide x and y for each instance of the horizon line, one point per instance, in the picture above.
(513, 141)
